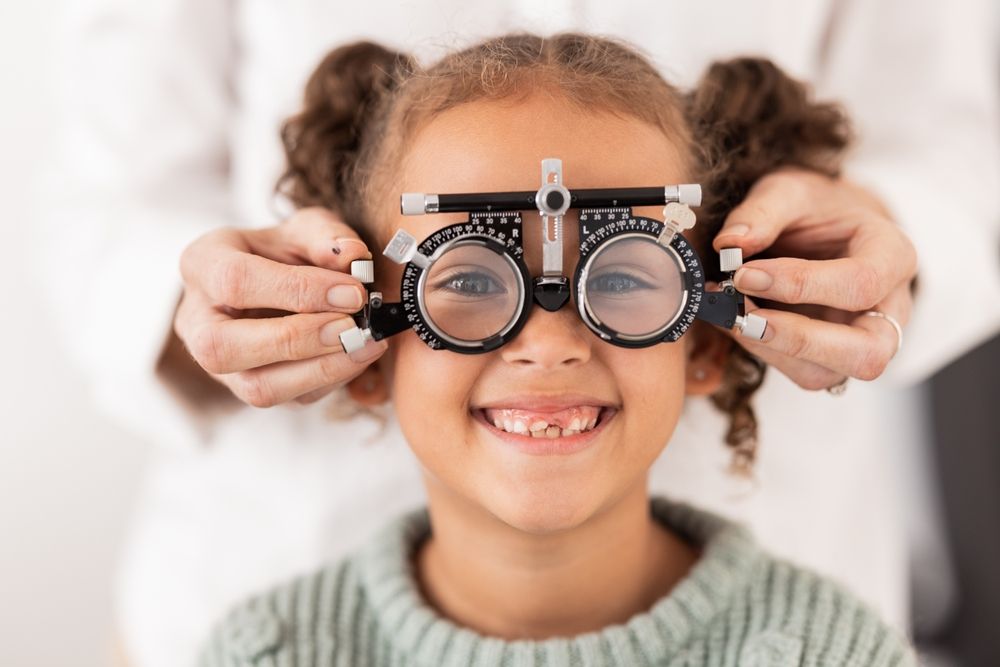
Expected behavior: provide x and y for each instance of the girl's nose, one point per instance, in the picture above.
(550, 340)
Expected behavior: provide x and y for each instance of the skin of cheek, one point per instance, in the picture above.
(433, 390)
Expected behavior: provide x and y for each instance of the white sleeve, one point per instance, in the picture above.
(920, 83)
(139, 169)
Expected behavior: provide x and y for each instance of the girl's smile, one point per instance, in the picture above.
(546, 424)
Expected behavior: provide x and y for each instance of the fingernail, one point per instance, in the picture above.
(329, 334)
(339, 244)
(768, 333)
(752, 280)
(735, 230)
(345, 296)
(371, 350)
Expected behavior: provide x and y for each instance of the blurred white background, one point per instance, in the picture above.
(67, 476)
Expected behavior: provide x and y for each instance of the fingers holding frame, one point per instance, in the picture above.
(241, 280)
(881, 259)
(290, 267)
(836, 244)
(231, 345)
(817, 354)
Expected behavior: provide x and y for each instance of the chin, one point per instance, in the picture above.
(543, 510)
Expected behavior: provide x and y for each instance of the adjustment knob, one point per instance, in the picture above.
(730, 259)
(363, 270)
(751, 326)
(412, 203)
(689, 193)
(354, 339)
(552, 199)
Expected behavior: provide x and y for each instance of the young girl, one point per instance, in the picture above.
(550, 551)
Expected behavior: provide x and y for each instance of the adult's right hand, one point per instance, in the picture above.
(262, 309)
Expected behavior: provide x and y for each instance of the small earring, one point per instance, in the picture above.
(700, 374)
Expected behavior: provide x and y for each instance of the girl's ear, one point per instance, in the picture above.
(370, 388)
(707, 355)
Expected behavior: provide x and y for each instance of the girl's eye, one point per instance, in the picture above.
(471, 283)
(616, 283)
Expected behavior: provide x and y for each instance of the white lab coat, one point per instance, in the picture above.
(170, 128)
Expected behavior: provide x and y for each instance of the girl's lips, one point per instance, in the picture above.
(566, 444)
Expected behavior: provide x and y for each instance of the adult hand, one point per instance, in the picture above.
(825, 250)
(262, 309)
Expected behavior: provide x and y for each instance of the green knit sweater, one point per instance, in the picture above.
(737, 606)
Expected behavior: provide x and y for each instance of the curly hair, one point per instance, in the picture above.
(744, 119)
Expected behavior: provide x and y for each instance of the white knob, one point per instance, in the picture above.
(689, 193)
(402, 248)
(363, 270)
(752, 326)
(730, 259)
(355, 339)
(412, 203)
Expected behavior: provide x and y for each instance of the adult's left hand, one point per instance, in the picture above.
(818, 253)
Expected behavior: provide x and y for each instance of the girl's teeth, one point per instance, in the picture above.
(541, 429)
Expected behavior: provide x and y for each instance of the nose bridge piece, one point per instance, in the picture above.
(551, 293)
(551, 290)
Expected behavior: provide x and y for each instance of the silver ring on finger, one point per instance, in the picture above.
(895, 325)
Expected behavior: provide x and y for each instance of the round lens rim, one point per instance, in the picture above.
(510, 328)
(595, 324)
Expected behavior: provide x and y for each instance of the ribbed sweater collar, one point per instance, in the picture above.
(729, 557)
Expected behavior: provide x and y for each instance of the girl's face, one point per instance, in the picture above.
(555, 371)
